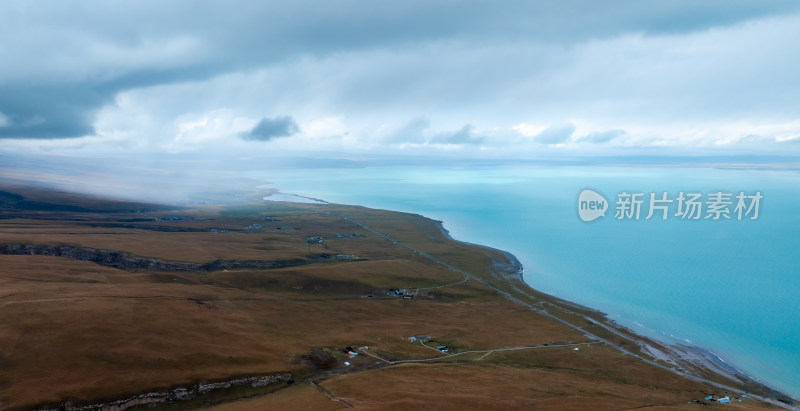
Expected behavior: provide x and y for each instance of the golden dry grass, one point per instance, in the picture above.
(75, 330)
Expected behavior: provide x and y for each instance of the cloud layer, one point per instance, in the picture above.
(574, 75)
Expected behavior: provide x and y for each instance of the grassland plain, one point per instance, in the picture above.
(257, 305)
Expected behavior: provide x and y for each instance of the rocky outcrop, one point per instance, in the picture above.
(128, 261)
(153, 399)
(503, 270)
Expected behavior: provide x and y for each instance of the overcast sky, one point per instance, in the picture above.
(462, 78)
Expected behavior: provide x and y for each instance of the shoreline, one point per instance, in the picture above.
(500, 271)
(512, 269)
(679, 356)
(682, 359)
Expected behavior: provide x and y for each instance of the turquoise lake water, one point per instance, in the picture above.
(730, 286)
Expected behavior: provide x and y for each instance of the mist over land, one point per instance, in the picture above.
(192, 177)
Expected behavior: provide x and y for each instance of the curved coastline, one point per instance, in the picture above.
(682, 358)
(510, 269)
(498, 270)
(685, 360)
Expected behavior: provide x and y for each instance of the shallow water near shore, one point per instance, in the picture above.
(729, 286)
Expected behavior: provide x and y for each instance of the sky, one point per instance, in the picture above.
(468, 78)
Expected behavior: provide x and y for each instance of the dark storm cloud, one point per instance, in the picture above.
(49, 112)
(272, 128)
(63, 61)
